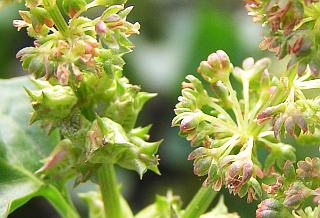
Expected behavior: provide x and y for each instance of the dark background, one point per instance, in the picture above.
(175, 36)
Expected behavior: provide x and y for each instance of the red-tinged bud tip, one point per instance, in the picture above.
(101, 28)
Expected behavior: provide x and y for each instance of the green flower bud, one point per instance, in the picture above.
(35, 66)
(72, 7)
(54, 103)
(222, 92)
(202, 165)
(217, 67)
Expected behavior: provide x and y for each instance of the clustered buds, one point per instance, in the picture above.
(229, 130)
(223, 155)
(78, 67)
(289, 29)
(86, 44)
(293, 118)
(252, 70)
(292, 189)
(217, 67)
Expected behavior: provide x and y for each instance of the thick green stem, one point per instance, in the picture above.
(110, 191)
(54, 12)
(199, 203)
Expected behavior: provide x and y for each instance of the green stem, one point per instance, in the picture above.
(199, 203)
(59, 202)
(54, 12)
(236, 109)
(110, 191)
(246, 97)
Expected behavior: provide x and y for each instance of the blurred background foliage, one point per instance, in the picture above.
(175, 36)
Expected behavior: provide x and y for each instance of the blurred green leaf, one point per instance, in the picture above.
(164, 207)
(220, 211)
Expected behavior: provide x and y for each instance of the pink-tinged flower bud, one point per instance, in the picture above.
(101, 28)
(63, 74)
(272, 89)
(269, 112)
(314, 66)
(309, 168)
(76, 71)
(316, 199)
(289, 171)
(217, 67)
(296, 194)
(198, 153)
(190, 122)
(57, 156)
(269, 208)
(238, 173)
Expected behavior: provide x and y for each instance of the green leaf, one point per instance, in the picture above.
(164, 207)
(22, 147)
(220, 211)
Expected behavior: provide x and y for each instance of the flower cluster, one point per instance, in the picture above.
(226, 141)
(78, 67)
(231, 131)
(291, 27)
(292, 190)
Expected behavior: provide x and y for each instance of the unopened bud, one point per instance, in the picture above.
(217, 67)
(40, 17)
(309, 168)
(190, 122)
(101, 28)
(72, 7)
(202, 165)
(296, 194)
(269, 208)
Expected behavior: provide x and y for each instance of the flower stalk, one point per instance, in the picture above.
(110, 191)
(55, 14)
(199, 203)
